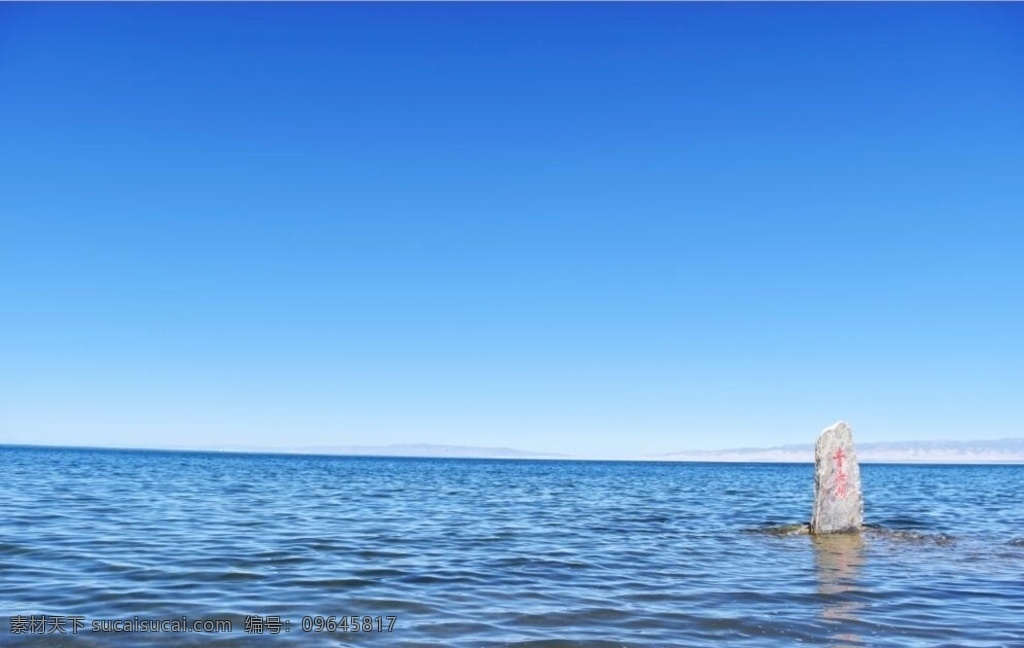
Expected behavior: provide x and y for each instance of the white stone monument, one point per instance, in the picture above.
(838, 502)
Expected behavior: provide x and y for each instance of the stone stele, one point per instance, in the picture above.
(838, 502)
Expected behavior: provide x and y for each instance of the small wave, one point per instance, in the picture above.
(901, 522)
(783, 529)
(886, 532)
(874, 530)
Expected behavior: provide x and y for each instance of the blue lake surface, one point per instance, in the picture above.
(502, 553)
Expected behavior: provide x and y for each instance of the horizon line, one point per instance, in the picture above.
(663, 458)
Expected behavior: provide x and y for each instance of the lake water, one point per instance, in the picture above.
(499, 553)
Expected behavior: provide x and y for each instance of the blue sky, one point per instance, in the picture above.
(598, 229)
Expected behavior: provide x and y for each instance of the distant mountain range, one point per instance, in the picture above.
(407, 450)
(1009, 451)
(989, 451)
(431, 450)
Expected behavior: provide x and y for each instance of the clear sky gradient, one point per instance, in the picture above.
(598, 229)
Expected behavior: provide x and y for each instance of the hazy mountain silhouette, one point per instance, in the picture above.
(985, 451)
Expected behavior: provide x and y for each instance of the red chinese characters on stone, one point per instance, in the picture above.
(841, 477)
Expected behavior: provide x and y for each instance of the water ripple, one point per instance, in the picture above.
(506, 553)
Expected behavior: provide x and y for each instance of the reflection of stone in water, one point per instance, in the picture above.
(838, 559)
